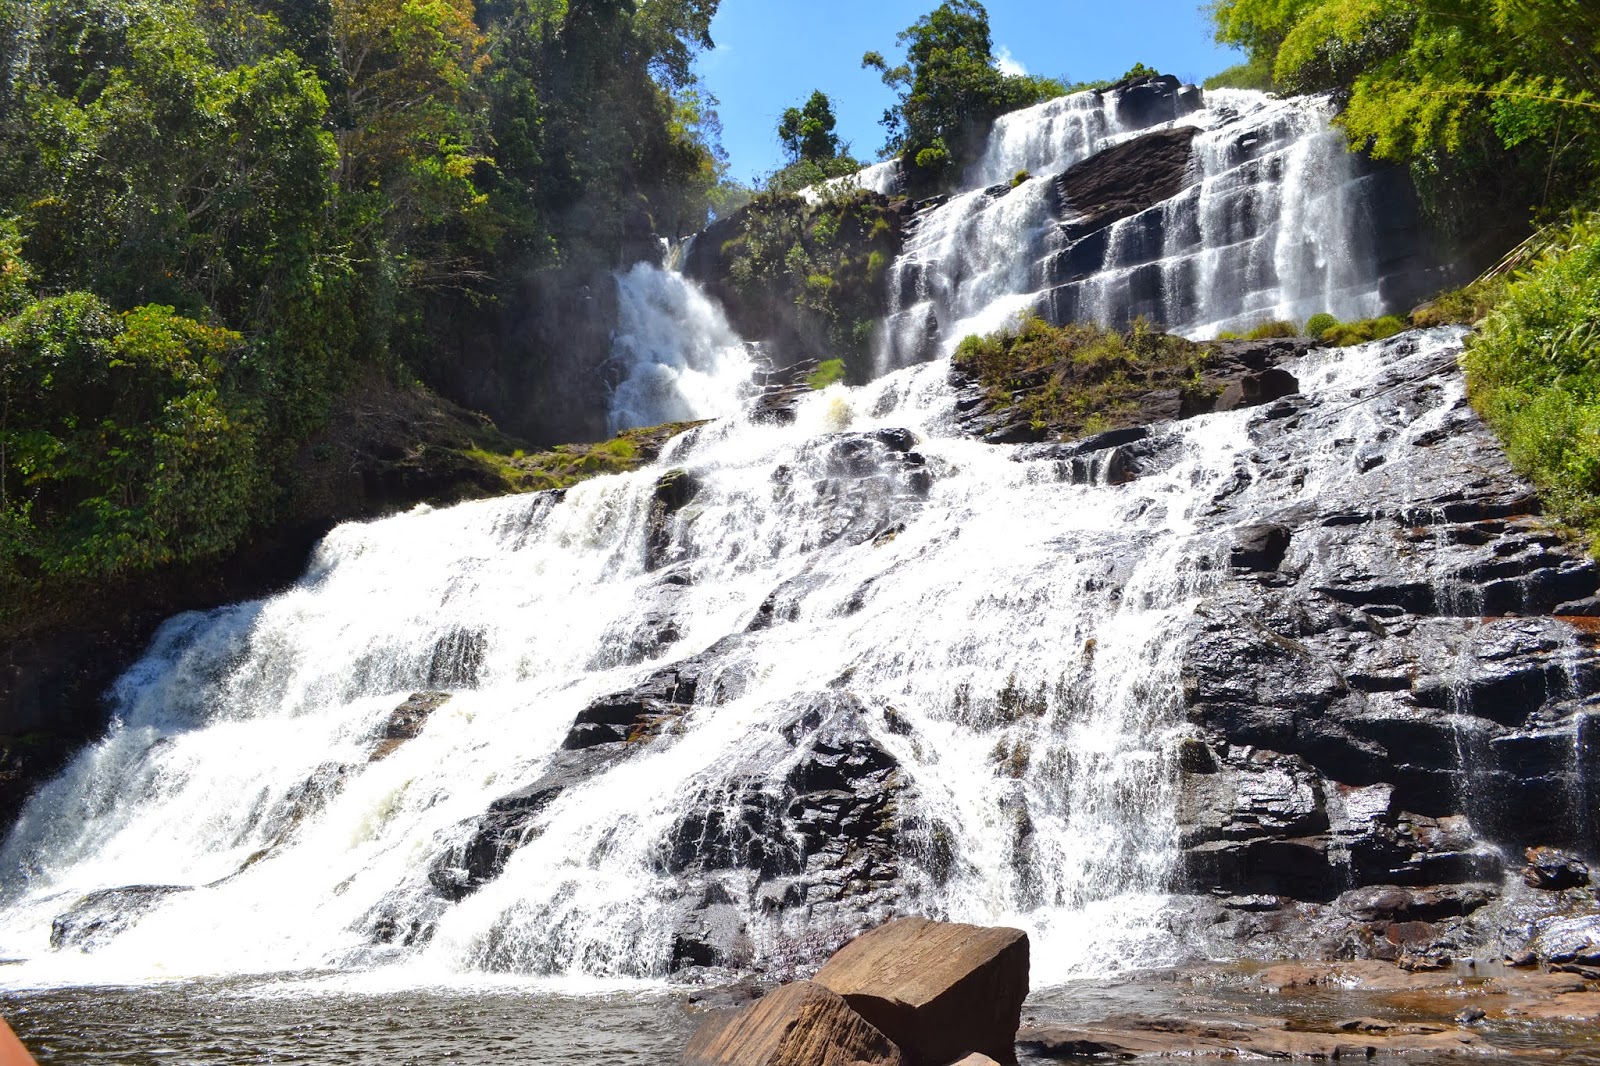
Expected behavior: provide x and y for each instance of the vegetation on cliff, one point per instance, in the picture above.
(1082, 378)
(215, 219)
(950, 91)
(823, 264)
(1534, 374)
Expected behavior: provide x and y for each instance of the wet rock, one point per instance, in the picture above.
(938, 989)
(807, 821)
(1260, 547)
(98, 918)
(1124, 180)
(405, 722)
(1554, 870)
(800, 1024)
(604, 734)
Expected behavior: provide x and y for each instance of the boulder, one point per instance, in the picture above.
(937, 989)
(405, 722)
(98, 918)
(1554, 870)
(802, 1024)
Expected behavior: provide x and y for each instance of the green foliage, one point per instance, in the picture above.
(1139, 70)
(1320, 323)
(117, 449)
(1533, 372)
(805, 173)
(828, 372)
(1081, 378)
(1491, 101)
(806, 133)
(827, 259)
(1019, 177)
(215, 216)
(949, 90)
(1253, 73)
(1270, 330)
(1345, 334)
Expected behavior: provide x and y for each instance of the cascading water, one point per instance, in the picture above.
(1006, 639)
(679, 358)
(1275, 219)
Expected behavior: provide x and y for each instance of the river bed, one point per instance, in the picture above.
(323, 1019)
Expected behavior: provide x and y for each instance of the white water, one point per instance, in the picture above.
(679, 358)
(1003, 574)
(1275, 224)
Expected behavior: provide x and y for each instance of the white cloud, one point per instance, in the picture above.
(1008, 63)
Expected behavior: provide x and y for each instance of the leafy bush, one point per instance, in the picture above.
(1533, 372)
(1370, 329)
(1272, 330)
(828, 372)
(1320, 323)
(1019, 177)
(118, 452)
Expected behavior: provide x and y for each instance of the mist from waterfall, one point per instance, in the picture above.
(678, 358)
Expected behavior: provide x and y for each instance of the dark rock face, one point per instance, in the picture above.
(808, 823)
(405, 722)
(1386, 702)
(605, 734)
(1124, 180)
(99, 917)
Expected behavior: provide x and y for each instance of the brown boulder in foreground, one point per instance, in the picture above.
(801, 1024)
(937, 989)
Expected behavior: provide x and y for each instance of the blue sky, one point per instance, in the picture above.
(770, 54)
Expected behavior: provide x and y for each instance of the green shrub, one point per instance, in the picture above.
(1370, 329)
(1019, 177)
(828, 372)
(118, 452)
(1464, 306)
(1320, 323)
(1080, 378)
(1533, 372)
(1273, 330)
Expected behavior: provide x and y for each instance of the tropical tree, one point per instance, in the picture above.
(950, 89)
(806, 133)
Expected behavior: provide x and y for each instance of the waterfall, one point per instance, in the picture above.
(1007, 639)
(679, 359)
(1275, 220)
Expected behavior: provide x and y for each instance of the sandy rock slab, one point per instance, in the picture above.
(939, 990)
(801, 1024)
(1234, 1038)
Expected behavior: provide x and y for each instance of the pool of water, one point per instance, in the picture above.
(314, 1020)
(246, 1022)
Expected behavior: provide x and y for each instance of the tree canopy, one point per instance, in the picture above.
(950, 89)
(1503, 95)
(215, 214)
(806, 133)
